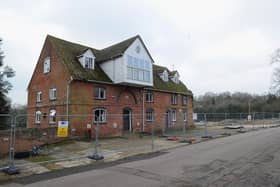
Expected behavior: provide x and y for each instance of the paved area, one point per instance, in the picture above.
(250, 159)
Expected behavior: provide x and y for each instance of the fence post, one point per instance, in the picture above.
(153, 134)
(184, 128)
(12, 169)
(205, 127)
(96, 155)
(164, 124)
(254, 119)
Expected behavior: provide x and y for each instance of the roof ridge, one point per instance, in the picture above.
(124, 41)
(70, 42)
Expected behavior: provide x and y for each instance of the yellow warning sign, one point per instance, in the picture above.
(62, 130)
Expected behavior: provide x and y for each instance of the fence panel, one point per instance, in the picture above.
(5, 140)
(46, 142)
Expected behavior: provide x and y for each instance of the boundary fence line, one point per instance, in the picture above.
(200, 119)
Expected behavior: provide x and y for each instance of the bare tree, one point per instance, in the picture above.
(5, 85)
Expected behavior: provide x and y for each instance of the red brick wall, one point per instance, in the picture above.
(119, 97)
(83, 102)
(57, 77)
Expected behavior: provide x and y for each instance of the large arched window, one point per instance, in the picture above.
(52, 118)
(100, 115)
(38, 117)
(150, 114)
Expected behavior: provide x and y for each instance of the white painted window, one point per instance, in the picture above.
(89, 62)
(100, 93)
(173, 115)
(174, 99)
(138, 69)
(175, 78)
(100, 115)
(150, 115)
(39, 97)
(38, 117)
(52, 117)
(184, 116)
(53, 94)
(184, 100)
(47, 65)
(165, 76)
(149, 97)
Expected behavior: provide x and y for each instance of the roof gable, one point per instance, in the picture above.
(117, 50)
(69, 52)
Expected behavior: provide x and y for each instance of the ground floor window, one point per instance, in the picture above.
(38, 117)
(52, 117)
(173, 115)
(185, 116)
(100, 115)
(150, 115)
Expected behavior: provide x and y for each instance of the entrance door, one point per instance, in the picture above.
(127, 122)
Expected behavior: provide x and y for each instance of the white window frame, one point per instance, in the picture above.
(149, 97)
(150, 114)
(184, 100)
(88, 62)
(39, 97)
(173, 115)
(98, 91)
(165, 76)
(47, 65)
(176, 79)
(38, 117)
(103, 117)
(185, 116)
(138, 69)
(174, 99)
(53, 94)
(52, 117)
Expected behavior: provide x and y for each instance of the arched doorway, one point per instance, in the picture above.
(127, 119)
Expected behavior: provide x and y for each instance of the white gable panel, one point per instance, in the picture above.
(137, 50)
(114, 69)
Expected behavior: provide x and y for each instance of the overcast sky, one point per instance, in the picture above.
(217, 45)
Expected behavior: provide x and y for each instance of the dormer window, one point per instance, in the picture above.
(87, 59)
(164, 76)
(175, 78)
(88, 62)
(47, 65)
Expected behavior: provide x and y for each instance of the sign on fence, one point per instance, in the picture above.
(62, 130)
(194, 116)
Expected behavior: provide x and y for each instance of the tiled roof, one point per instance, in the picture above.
(69, 52)
(170, 86)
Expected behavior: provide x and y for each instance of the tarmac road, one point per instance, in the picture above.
(249, 159)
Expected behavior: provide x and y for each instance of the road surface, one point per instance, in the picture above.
(249, 159)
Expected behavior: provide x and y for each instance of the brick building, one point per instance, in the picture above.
(119, 86)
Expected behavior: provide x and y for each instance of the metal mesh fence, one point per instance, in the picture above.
(57, 141)
(5, 139)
